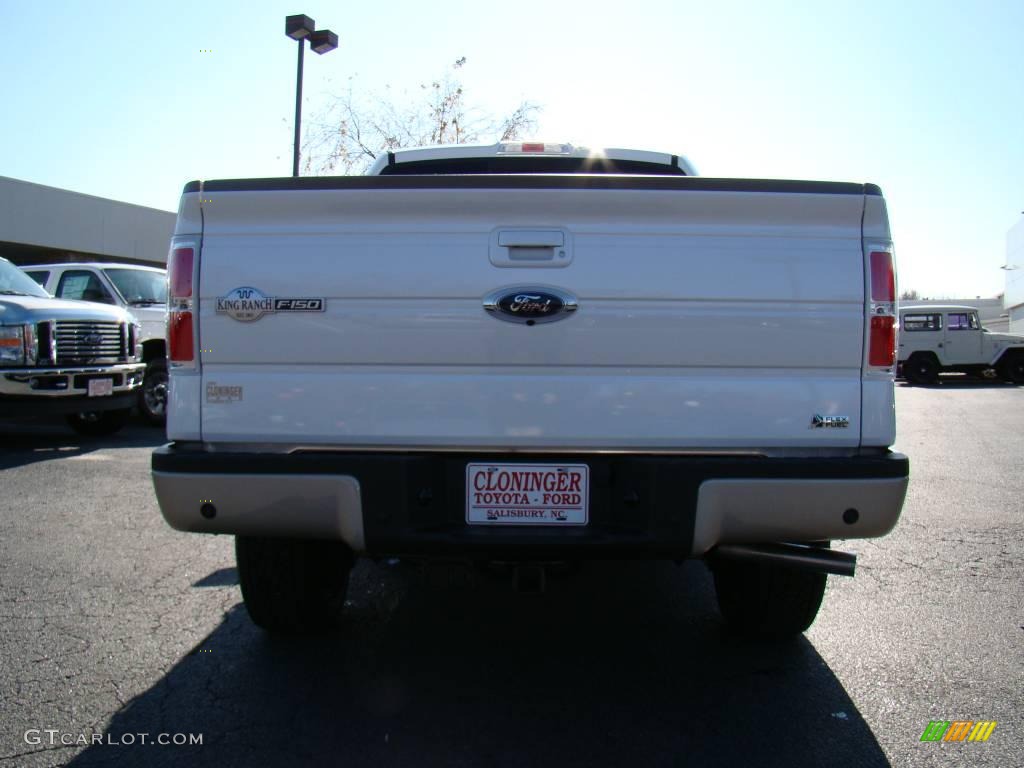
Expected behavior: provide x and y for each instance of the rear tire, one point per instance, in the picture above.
(767, 602)
(921, 369)
(98, 423)
(1012, 369)
(293, 585)
(153, 395)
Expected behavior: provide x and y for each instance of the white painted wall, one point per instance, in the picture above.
(32, 214)
(1013, 298)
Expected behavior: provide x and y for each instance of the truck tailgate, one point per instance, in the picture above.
(707, 318)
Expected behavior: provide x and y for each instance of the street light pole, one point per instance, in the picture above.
(298, 107)
(298, 28)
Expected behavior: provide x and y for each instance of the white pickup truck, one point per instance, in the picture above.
(73, 358)
(532, 354)
(140, 290)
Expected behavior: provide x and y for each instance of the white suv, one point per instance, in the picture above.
(948, 338)
(140, 290)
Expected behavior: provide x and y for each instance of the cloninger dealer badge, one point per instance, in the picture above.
(249, 304)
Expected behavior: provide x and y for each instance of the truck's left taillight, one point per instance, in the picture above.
(181, 284)
(882, 307)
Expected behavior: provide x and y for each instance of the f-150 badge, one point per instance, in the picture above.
(249, 304)
(530, 305)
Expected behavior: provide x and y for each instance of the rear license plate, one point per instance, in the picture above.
(527, 494)
(101, 387)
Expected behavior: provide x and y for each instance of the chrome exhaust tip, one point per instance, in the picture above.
(803, 557)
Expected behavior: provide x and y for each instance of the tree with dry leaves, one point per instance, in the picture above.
(356, 128)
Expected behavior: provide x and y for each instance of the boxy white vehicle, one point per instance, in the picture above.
(532, 353)
(143, 292)
(938, 339)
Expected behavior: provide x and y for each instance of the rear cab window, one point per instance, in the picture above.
(529, 164)
(922, 322)
(39, 276)
(82, 285)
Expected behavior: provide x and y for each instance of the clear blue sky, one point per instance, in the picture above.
(926, 99)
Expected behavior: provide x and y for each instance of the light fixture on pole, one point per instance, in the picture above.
(298, 28)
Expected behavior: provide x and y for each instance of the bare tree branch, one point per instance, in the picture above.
(352, 132)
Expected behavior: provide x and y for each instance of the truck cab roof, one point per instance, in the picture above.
(92, 264)
(937, 308)
(528, 157)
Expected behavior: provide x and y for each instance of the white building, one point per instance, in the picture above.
(41, 225)
(1013, 297)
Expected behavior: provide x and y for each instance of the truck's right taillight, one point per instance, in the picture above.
(882, 308)
(883, 341)
(181, 337)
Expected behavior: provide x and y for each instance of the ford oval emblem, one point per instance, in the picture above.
(530, 305)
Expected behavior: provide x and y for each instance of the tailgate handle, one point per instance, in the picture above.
(531, 239)
(530, 248)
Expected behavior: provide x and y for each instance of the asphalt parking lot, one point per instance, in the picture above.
(113, 626)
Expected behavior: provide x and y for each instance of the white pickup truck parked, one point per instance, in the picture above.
(143, 292)
(71, 358)
(532, 353)
(948, 338)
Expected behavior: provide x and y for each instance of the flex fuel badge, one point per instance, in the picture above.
(830, 422)
(249, 304)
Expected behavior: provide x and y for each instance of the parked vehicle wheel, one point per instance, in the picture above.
(98, 423)
(767, 602)
(153, 395)
(1012, 369)
(293, 585)
(921, 369)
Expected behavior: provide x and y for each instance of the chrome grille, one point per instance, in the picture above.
(84, 342)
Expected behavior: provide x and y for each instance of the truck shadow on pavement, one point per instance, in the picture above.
(960, 382)
(224, 577)
(619, 664)
(26, 442)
